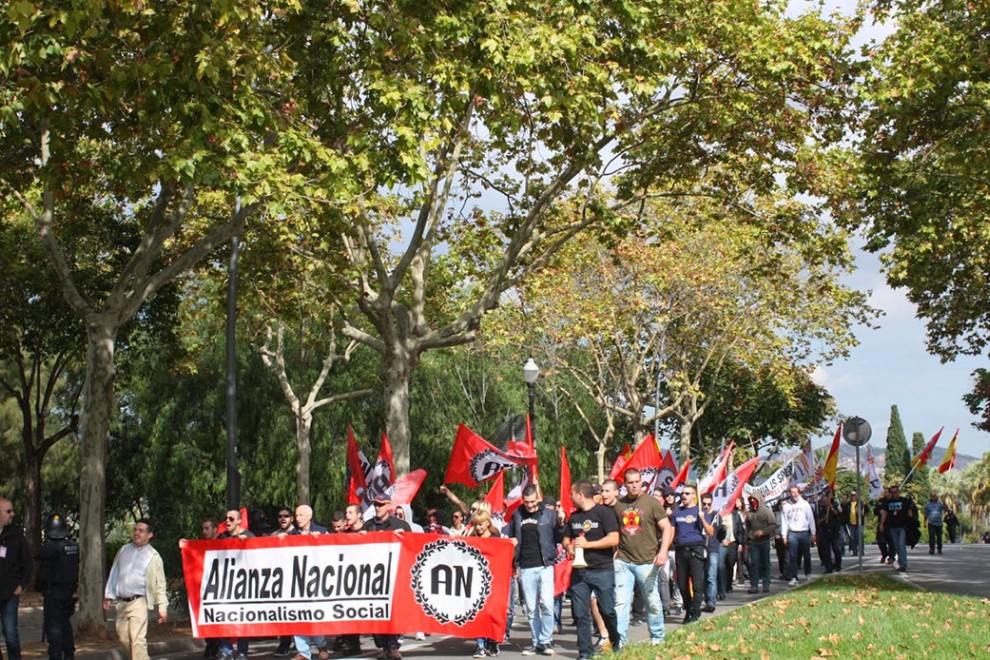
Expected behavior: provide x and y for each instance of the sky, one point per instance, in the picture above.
(891, 365)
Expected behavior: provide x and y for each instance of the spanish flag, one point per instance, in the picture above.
(949, 460)
(832, 462)
(925, 454)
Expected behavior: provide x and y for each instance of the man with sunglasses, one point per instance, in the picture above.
(285, 524)
(691, 531)
(234, 531)
(384, 521)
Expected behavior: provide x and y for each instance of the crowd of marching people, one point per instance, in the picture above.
(623, 556)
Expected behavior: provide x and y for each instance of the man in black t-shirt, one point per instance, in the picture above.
(593, 529)
(895, 516)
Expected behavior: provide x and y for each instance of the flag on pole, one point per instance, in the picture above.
(564, 501)
(357, 465)
(731, 489)
(496, 496)
(404, 490)
(717, 471)
(668, 471)
(620, 462)
(682, 475)
(381, 475)
(949, 460)
(872, 475)
(647, 460)
(474, 460)
(832, 462)
(924, 454)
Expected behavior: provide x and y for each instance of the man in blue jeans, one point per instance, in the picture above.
(645, 536)
(798, 530)
(592, 532)
(15, 571)
(535, 533)
(713, 518)
(895, 517)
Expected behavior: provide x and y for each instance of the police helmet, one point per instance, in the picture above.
(55, 527)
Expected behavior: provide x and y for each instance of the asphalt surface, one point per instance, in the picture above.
(961, 569)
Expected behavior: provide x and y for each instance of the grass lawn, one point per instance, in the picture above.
(839, 616)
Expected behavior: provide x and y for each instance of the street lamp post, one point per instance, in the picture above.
(530, 373)
(857, 432)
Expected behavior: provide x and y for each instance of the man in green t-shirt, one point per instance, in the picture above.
(645, 535)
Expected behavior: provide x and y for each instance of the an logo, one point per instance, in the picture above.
(451, 581)
(486, 464)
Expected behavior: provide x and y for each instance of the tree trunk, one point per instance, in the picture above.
(32, 514)
(600, 460)
(97, 405)
(397, 370)
(686, 425)
(304, 451)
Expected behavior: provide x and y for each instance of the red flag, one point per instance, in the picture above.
(356, 485)
(682, 475)
(739, 479)
(831, 468)
(620, 462)
(474, 460)
(922, 457)
(949, 460)
(564, 501)
(647, 460)
(381, 475)
(716, 472)
(562, 569)
(404, 489)
(496, 496)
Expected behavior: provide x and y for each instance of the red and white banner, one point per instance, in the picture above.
(332, 584)
(717, 471)
(474, 460)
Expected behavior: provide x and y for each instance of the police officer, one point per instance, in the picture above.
(58, 576)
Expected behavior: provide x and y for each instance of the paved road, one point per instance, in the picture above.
(961, 569)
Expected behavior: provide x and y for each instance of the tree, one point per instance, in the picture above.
(897, 455)
(698, 287)
(466, 125)
(147, 121)
(923, 164)
(40, 350)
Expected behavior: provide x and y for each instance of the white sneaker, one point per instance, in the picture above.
(792, 582)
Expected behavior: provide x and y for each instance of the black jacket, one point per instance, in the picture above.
(15, 564)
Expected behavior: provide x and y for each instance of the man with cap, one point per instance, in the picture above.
(384, 521)
(58, 576)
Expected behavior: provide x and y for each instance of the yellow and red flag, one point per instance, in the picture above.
(949, 460)
(925, 454)
(832, 462)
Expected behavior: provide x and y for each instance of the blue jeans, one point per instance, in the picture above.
(8, 617)
(899, 537)
(628, 575)
(537, 589)
(226, 646)
(799, 545)
(601, 583)
(855, 539)
(759, 564)
(711, 576)
(305, 643)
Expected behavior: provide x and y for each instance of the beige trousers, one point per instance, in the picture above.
(132, 627)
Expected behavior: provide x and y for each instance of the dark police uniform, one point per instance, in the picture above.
(57, 577)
